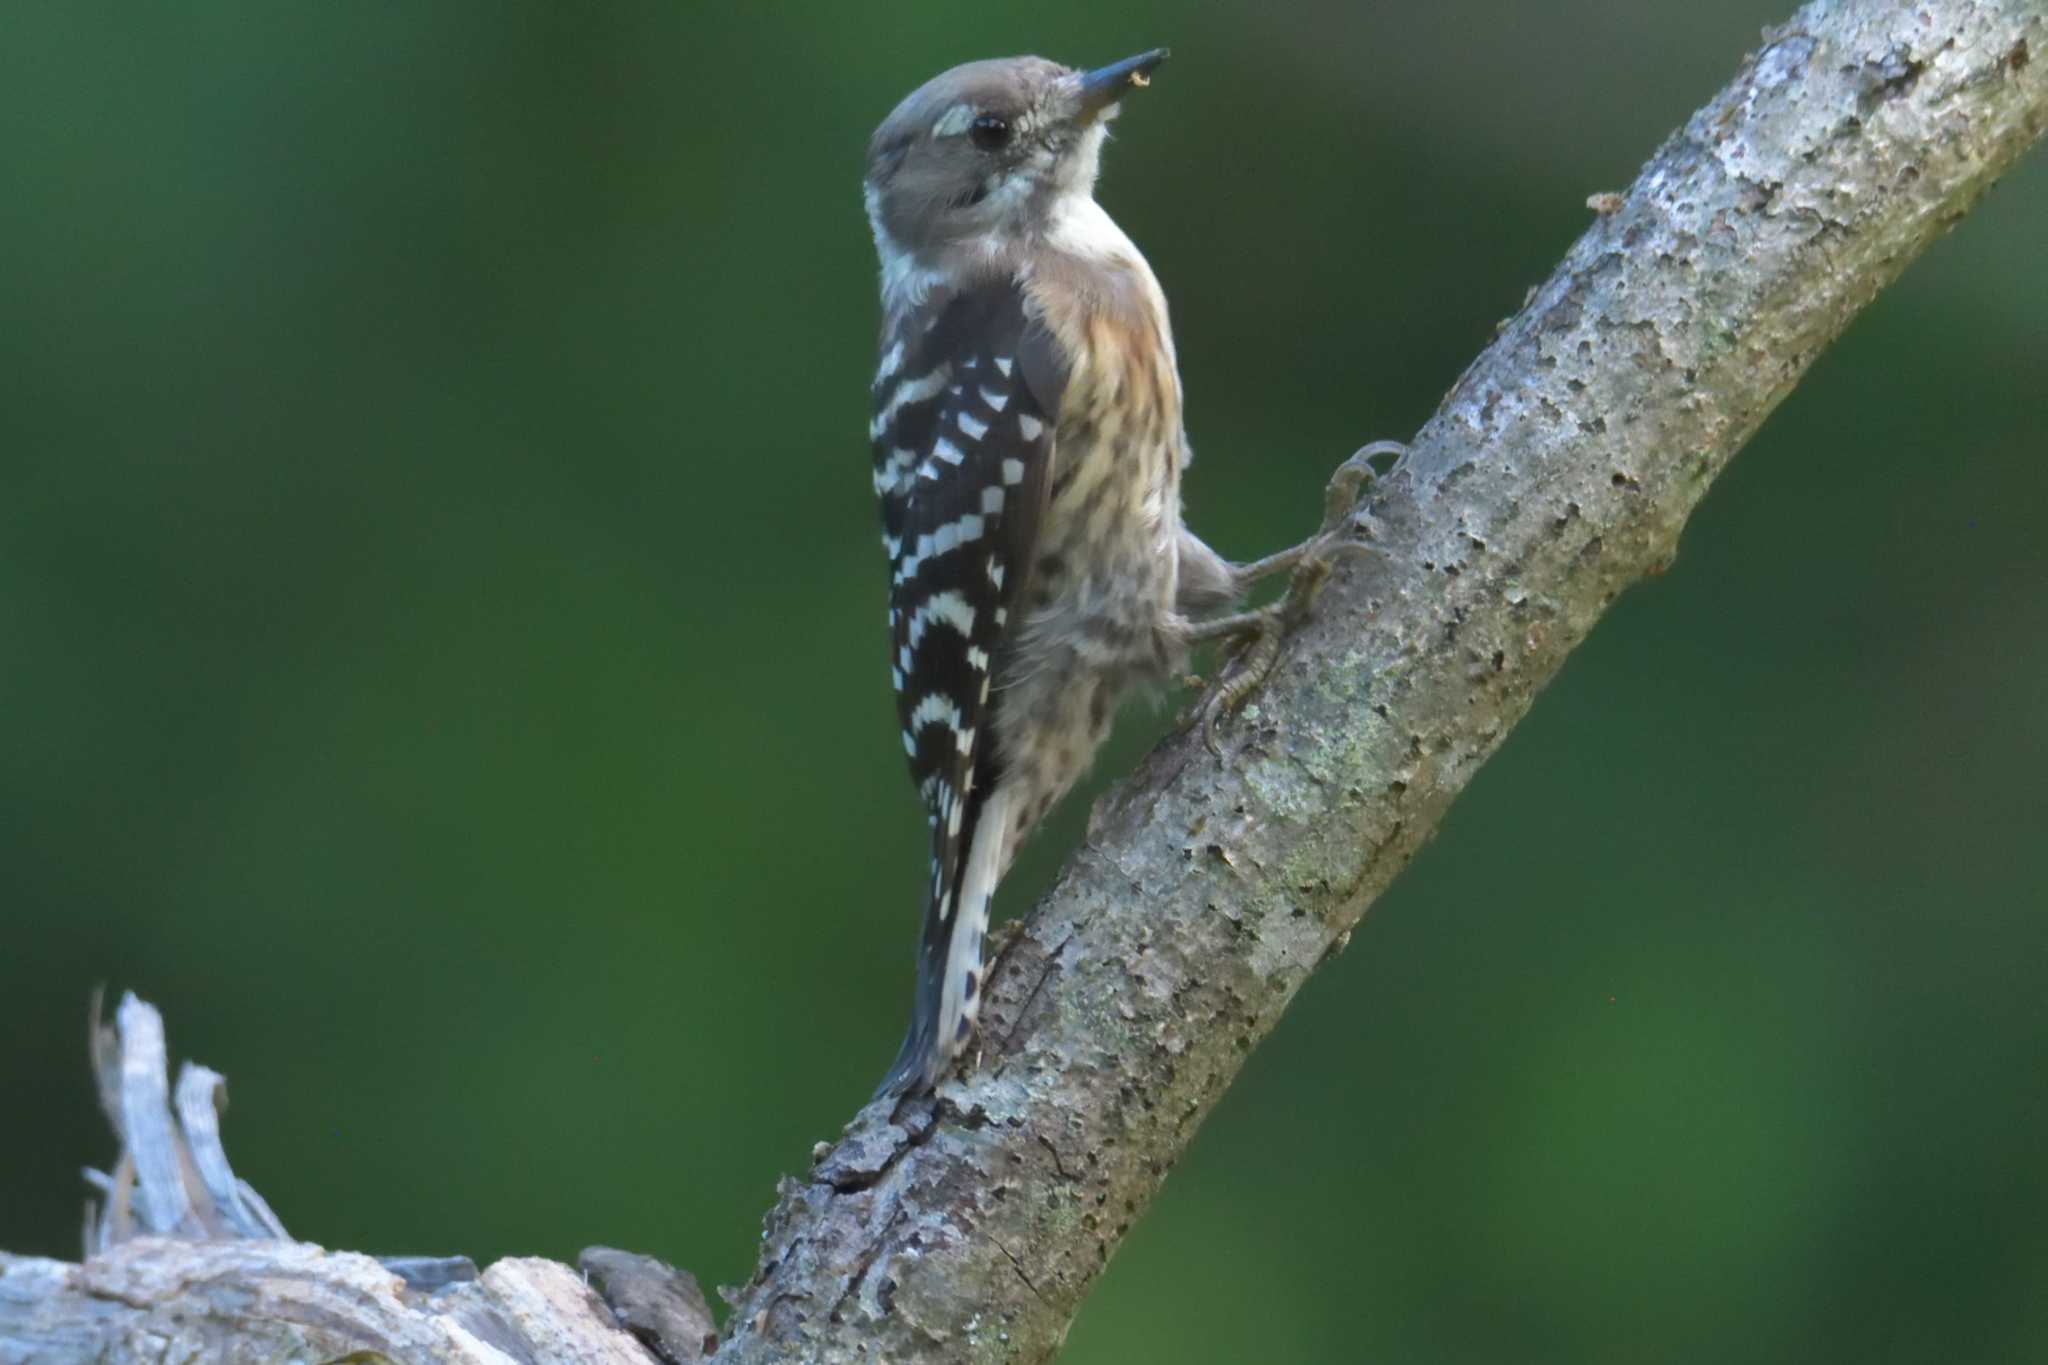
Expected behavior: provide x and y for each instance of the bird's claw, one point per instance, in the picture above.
(1259, 633)
(1350, 480)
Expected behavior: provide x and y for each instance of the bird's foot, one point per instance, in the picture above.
(1256, 637)
(1258, 634)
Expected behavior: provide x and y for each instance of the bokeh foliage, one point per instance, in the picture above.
(444, 670)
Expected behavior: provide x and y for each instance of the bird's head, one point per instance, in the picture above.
(985, 153)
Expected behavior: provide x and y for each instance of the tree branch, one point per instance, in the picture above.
(1559, 470)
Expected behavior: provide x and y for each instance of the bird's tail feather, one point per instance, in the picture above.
(949, 967)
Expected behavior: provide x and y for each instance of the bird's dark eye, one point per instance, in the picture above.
(990, 132)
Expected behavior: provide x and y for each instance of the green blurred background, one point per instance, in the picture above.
(444, 670)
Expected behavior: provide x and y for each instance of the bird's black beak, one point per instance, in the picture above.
(1105, 85)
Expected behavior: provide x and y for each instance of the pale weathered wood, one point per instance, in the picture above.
(156, 1299)
(187, 1263)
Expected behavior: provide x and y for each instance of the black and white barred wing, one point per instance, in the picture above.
(962, 446)
(963, 449)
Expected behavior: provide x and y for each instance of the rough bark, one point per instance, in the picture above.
(1558, 471)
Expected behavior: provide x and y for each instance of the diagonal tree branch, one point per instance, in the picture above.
(1558, 471)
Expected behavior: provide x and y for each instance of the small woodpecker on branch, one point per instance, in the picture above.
(1028, 452)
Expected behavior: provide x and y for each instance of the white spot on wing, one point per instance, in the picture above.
(1013, 471)
(909, 392)
(945, 540)
(933, 709)
(946, 608)
(970, 428)
(1028, 426)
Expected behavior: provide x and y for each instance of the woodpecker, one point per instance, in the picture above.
(1028, 452)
